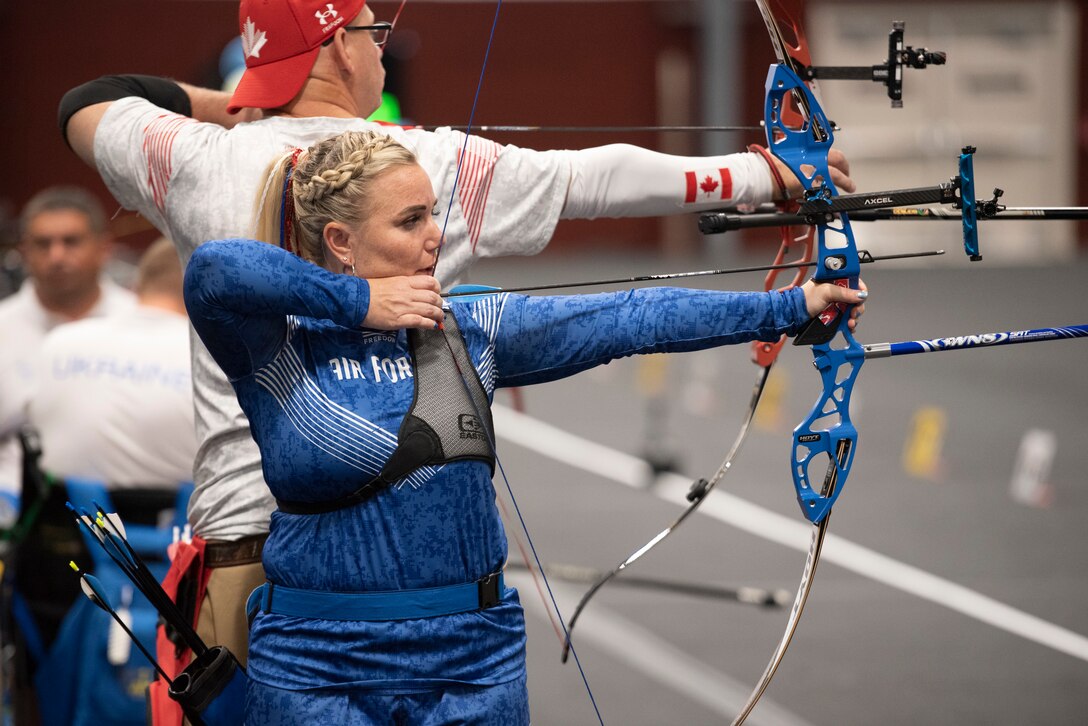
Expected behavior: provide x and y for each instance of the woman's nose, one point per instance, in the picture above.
(434, 235)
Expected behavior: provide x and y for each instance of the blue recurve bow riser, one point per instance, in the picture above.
(827, 430)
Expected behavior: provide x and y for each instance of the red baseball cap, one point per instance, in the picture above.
(281, 39)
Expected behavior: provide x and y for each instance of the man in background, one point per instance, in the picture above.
(65, 244)
(114, 400)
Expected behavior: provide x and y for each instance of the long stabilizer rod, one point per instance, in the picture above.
(961, 342)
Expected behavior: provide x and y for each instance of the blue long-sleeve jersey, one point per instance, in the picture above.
(325, 398)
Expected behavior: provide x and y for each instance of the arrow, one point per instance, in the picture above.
(866, 257)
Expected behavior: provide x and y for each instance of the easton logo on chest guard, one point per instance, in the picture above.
(470, 427)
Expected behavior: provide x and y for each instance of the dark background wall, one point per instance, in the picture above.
(552, 63)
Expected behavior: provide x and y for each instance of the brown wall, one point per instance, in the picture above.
(559, 64)
(47, 53)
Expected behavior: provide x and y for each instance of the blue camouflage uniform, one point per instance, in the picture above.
(325, 398)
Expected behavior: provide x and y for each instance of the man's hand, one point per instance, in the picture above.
(211, 105)
(836, 163)
(404, 302)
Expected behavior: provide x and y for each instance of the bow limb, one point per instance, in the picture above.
(783, 19)
(815, 548)
(764, 353)
(699, 491)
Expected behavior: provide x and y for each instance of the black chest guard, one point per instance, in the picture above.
(442, 425)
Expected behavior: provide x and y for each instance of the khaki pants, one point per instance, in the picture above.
(222, 618)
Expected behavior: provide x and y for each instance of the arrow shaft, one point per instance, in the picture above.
(132, 636)
(865, 258)
(513, 128)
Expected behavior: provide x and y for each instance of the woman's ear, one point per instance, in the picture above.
(337, 240)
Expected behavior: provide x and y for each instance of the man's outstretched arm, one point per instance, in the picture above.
(82, 108)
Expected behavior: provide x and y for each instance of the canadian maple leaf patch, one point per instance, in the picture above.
(708, 185)
(252, 39)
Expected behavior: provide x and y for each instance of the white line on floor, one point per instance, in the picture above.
(640, 649)
(631, 471)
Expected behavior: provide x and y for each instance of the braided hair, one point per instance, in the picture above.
(330, 181)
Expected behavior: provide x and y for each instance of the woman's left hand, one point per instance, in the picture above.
(819, 295)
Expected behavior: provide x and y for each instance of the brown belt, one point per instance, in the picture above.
(245, 551)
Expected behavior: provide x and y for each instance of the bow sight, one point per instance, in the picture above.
(890, 73)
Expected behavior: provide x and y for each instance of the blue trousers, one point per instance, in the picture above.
(506, 704)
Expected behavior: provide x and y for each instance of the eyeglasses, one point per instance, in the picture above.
(379, 32)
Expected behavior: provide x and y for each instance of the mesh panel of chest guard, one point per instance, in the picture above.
(441, 399)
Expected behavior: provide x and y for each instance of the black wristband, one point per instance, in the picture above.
(162, 92)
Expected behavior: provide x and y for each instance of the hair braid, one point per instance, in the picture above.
(332, 182)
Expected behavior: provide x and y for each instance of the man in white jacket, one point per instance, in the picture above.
(313, 70)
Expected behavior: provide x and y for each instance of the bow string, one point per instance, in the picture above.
(464, 381)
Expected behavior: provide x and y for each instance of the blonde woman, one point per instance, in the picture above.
(385, 601)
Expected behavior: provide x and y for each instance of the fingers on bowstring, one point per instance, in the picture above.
(419, 321)
(431, 312)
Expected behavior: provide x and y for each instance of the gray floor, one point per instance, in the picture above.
(867, 652)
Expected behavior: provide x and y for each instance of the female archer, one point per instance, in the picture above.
(385, 601)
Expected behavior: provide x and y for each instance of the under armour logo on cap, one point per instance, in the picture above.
(324, 15)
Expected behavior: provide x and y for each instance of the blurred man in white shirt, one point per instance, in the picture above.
(65, 244)
(114, 399)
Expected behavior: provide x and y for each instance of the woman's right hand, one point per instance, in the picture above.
(404, 302)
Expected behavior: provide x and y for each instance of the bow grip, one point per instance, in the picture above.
(825, 326)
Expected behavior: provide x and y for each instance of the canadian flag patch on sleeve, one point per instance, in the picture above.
(706, 185)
